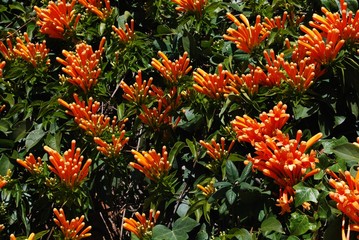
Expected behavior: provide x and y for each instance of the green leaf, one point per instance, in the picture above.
(161, 232)
(175, 150)
(330, 144)
(192, 147)
(231, 171)
(298, 224)
(271, 224)
(240, 234)
(179, 231)
(5, 165)
(17, 6)
(245, 173)
(347, 151)
(305, 194)
(352, 5)
(33, 138)
(231, 196)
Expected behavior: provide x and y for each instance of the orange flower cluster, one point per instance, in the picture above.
(82, 66)
(278, 22)
(29, 52)
(33, 165)
(171, 98)
(155, 118)
(31, 237)
(217, 151)
(95, 6)
(172, 71)
(213, 85)
(152, 164)
(190, 5)
(143, 227)
(74, 229)
(137, 92)
(246, 37)
(57, 19)
(126, 35)
(320, 51)
(252, 131)
(112, 149)
(69, 167)
(347, 23)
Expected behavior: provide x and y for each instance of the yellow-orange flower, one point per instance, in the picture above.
(152, 164)
(3, 182)
(137, 92)
(31, 237)
(320, 50)
(32, 164)
(2, 66)
(278, 22)
(112, 149)
(29, 52)
(158, 117)
(57, 19)
(82, 66)
(69, 167)
(346, 23)
(79, 109)
(190, 5)
(125, 35)
(207, 190)
(213, 85)
(172, 71)
(95, 6)
(252, 131)
(246, 37)
(2, 107)
(217, 151)
(74, 229)
(143, 227)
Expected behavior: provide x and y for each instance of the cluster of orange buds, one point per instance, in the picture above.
(112, 149)
(143, 227)
(285, 161)
(30, 237)
(2, 66)
(322, 51)
(217, 151)
(246, 37)
(83, 65)
(278, 22)
(69, 168)
(57, 18)
(252, 131)
(5, 179)
(32, 164)
(79, 109)
(300, 76)
(347, 23)
(171, 98)
(126, 35)
(196, 6)
(172, 71)
(154, 165)
(74, 229)
(155, 118)
(213, 85)
(138, 92)
(29, 52)
(274, 67)
(95, 6)
(207, 190)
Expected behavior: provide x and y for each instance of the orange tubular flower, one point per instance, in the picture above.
(127, 35)
(73, 229)
(171, 98)
(152, 164)
(137, 92)
(278, 22)
(143, 227)
(285, 161)
(320, 51)
(113, 149)
(246, 37)
(95, 6)
(346, 23)
(33, 165)
(301, 75)
(57, 19)
(196, 6)
(3, 182)
(214, 86)
(217, 151)
(2, 66)
(82, 66)
(252, 131)
(69, 167)
(208, 190)
(172, 71)
(31, 237)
